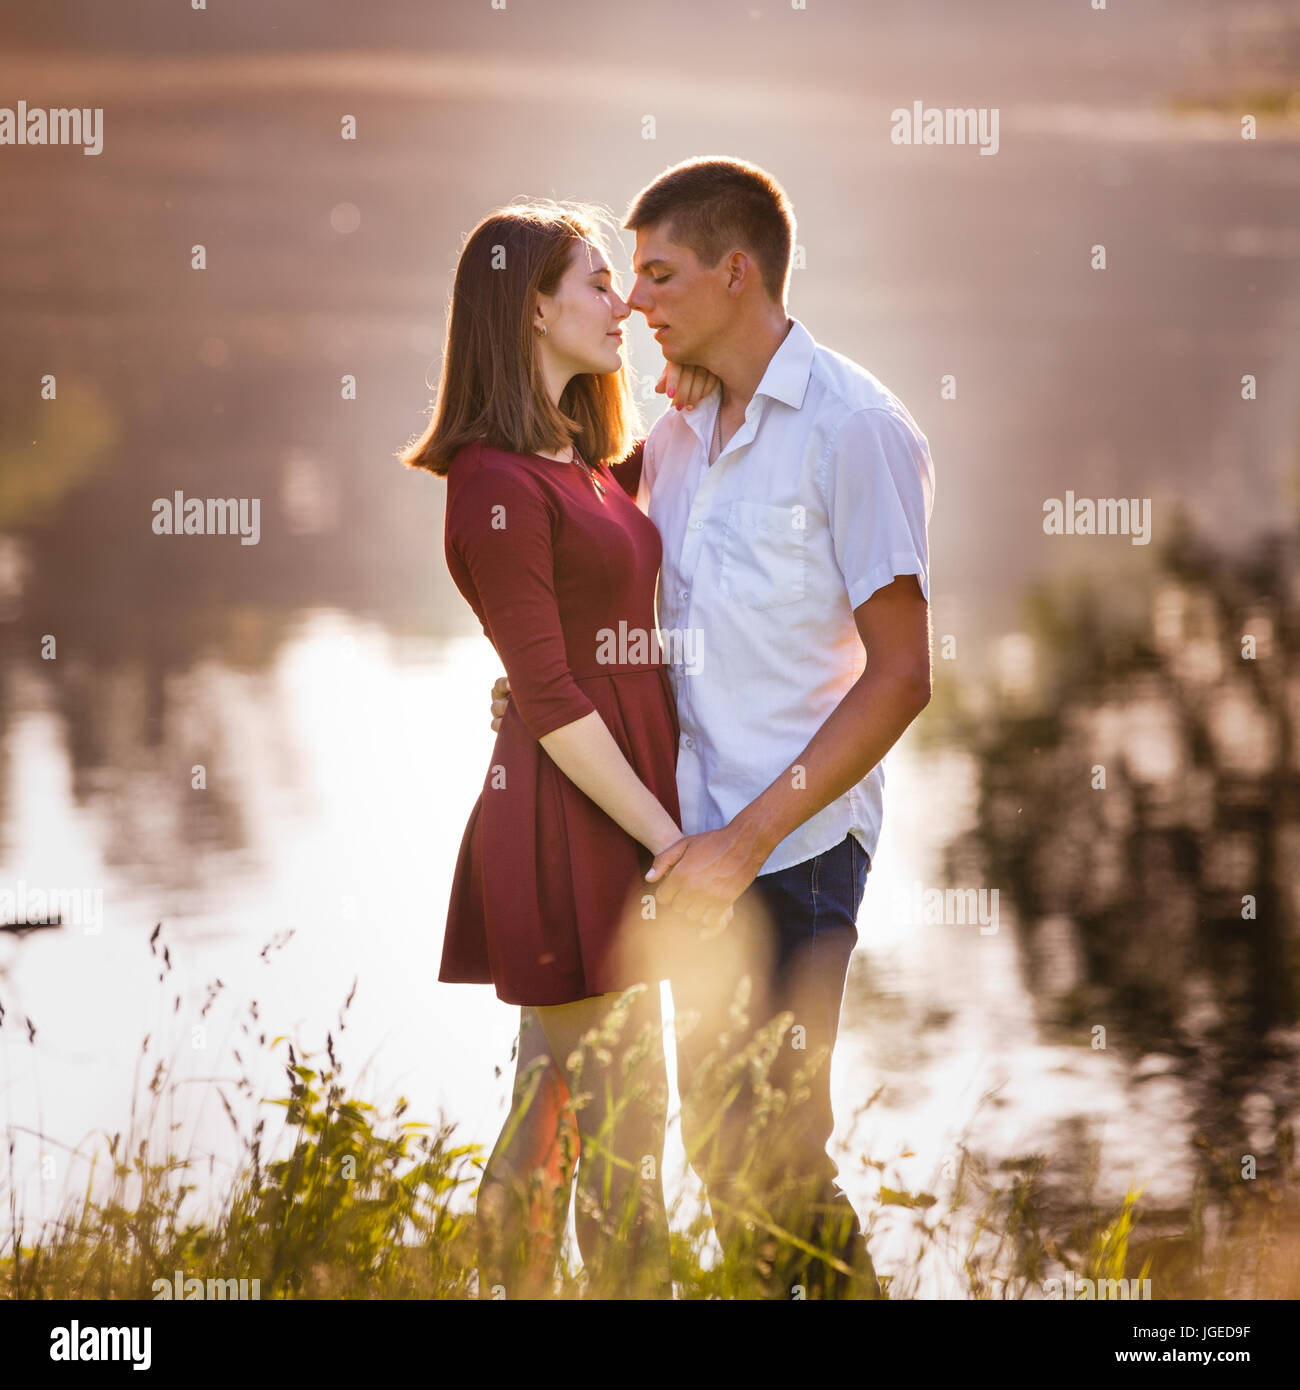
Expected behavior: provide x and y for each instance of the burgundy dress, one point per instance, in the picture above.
(545, 882)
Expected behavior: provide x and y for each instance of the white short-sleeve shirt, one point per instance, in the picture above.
(820, 498)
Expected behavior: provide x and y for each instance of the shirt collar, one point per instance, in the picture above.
(786, 377)
(785, 380)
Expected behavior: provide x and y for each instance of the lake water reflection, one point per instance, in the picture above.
(332, 689)
(347, 770)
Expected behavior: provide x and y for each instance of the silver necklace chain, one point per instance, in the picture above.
(591, 472)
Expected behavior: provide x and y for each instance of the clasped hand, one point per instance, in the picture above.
(701, 876)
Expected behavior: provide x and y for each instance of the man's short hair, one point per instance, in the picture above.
(712, 205)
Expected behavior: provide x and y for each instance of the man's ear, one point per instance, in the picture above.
(739, 267)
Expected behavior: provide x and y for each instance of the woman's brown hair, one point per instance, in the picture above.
(491, 386)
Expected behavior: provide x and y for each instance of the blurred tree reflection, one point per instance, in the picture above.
(1140, 804)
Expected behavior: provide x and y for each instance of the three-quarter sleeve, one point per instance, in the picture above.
(878, 481)
(500, 526)
(628, 471)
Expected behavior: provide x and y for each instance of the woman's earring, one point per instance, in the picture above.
(541, 332)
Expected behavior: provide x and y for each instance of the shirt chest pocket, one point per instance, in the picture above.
(763, 555)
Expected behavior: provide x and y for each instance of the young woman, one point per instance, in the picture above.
(543, 539)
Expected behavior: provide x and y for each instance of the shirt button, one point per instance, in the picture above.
(686, 593)
(686, 742)
(695, 525)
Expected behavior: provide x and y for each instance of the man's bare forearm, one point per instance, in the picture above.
(857, 734)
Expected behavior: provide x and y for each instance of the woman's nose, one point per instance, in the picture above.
(624, 311)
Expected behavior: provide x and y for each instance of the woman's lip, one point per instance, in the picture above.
(613, 335)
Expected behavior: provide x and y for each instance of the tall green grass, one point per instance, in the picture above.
(347, 1202)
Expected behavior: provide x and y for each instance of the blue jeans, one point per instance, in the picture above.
(792, 934)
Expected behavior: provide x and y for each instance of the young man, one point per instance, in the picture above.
(793, 508)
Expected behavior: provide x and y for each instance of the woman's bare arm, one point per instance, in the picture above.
(585, 751)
